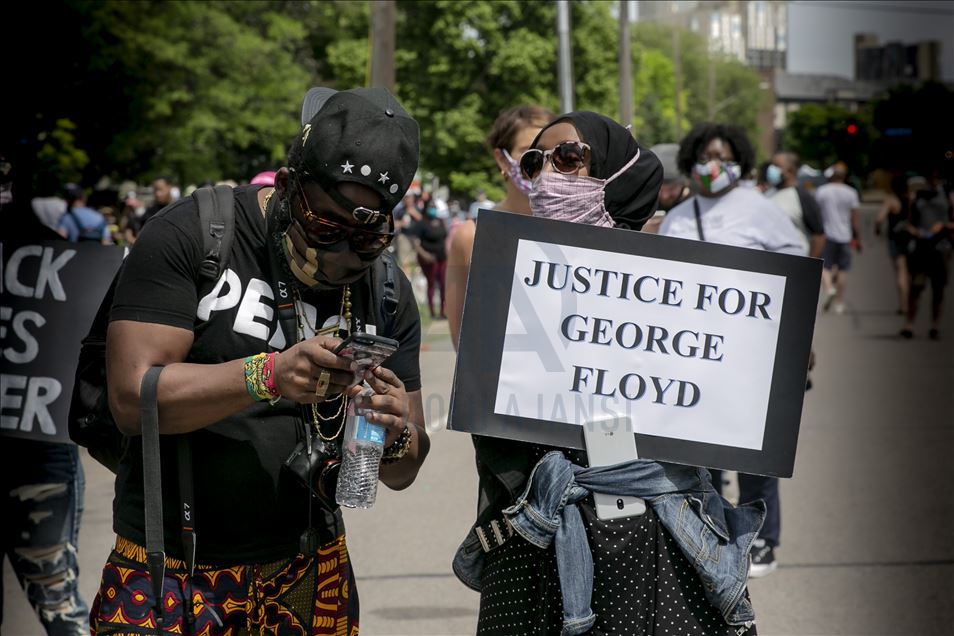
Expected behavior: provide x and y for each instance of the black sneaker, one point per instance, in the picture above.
(763, 559)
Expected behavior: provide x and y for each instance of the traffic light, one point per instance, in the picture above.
(852, 129)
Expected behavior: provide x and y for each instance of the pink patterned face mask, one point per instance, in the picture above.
(522, 183)
(573, 198)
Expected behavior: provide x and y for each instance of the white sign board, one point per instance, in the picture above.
(674, 345)
(704, 347)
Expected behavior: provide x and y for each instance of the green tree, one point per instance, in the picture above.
(458, 65)
(822, 134)
(218, 88)
(738, 95)
(58, 155)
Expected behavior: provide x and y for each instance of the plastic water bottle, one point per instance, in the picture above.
(361, 451)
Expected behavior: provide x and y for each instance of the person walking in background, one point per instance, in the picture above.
(80, 223)
(714, 156)
(48, 206)
(932, 223)
(430, 242)
(41, 483)
(839, 205)
(482, 202)
(800, 206)
(892, 221)
(674, 189)
(511, 134)
(162, 196)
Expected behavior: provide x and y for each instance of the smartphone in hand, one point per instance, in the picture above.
(367, 350)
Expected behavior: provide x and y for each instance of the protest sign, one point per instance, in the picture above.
(704, 346)
(50, 293)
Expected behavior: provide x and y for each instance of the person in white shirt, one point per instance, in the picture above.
(800, 206)
(839, 205)
(714, 157)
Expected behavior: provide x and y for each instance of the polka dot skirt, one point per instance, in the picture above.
(643, 585)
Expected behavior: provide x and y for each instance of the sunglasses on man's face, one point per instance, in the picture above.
(566, 157)
(324, 231)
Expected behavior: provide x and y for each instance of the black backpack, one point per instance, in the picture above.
(91, 423)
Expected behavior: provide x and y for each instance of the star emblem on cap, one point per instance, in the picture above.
(346, 167)
(384, 178)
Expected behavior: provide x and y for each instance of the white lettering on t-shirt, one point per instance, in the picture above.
(214, 302)
(252, 307)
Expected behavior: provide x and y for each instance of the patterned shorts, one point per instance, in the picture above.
(302, 596)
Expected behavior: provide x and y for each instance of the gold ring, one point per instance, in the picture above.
(324, 381)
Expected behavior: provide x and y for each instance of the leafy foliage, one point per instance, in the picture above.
(211, 90)
(822, 134)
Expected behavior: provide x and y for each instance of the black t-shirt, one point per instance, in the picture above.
(433, 236)
(248, 510)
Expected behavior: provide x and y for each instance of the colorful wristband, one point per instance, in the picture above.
(259, 377)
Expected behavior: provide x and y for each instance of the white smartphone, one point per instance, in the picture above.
(610, 440)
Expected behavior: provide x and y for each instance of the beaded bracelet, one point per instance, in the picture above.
(260, 378)
(398, 448)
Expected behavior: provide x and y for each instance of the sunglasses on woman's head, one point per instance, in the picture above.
(566, 157)
(323, 231)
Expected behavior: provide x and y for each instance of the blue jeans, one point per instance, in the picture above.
(714, 537)
(755, 487)
(41, 505)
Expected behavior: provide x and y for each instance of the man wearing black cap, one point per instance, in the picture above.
(306, 258)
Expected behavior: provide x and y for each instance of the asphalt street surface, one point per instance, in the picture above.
(867, 520)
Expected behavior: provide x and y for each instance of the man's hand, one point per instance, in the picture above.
(389, 404)
(298, 370)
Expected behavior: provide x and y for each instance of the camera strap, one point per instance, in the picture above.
(288, 323)
(152, 487)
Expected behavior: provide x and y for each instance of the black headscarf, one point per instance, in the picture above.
(631, 198)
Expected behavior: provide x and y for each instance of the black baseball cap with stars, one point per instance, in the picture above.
(362, 135)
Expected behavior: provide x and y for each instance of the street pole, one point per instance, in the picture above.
(625, 67)
(677, 71)
(383, 15)
(565, 55)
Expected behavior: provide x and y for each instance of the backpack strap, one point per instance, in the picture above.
(385, 290)
(152, 484)
(217, 219)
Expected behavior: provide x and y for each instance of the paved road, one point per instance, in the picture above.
(868, 519)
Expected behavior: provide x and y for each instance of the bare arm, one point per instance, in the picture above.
(889, 205)
(458, 267)
(193, 396)
(856, 227)
(816, 245)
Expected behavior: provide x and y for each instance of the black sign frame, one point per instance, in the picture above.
(484, 323)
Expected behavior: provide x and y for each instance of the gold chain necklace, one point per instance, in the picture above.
(345, 312)
(268, 198)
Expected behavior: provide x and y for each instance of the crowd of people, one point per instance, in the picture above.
(250, 399)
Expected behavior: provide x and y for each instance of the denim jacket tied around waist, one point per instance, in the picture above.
(715, 537)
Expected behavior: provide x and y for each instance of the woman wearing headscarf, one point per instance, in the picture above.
(627, 576)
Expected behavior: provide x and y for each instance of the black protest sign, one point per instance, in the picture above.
(704, 347)
(50, 293)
